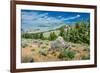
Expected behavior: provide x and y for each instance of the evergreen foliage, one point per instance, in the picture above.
(52, 36)
(77, 33)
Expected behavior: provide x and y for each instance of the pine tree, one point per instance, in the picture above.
(52, 36)
(62, 32)
(41, 35)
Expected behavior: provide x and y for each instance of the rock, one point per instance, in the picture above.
(34, 41)
(58, 43)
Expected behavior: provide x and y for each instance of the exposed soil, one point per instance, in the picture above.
(35, 52)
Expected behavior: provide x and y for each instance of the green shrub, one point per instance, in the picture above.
(62, 31)
(47, 43)
(78, 33)
(52, 36)
(43, 47)
(32, 49)
(43, 52)
(84, 57)
(27, 59)
(24, 45)
(67, 54)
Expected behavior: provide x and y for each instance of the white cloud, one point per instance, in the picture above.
(59, 16)
(36, 20)
(39, 19)
(70, 18)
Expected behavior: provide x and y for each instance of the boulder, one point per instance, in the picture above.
(58, 43)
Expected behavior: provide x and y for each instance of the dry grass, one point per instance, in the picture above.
(41, 53)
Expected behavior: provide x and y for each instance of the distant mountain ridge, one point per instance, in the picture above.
(39, 30)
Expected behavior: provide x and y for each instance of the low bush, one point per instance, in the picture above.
(43, 52)
(84, 57)
(24, 45)
(67, 54)
(27, 59)
(32, 49)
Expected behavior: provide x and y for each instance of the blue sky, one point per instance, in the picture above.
(48, 20)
